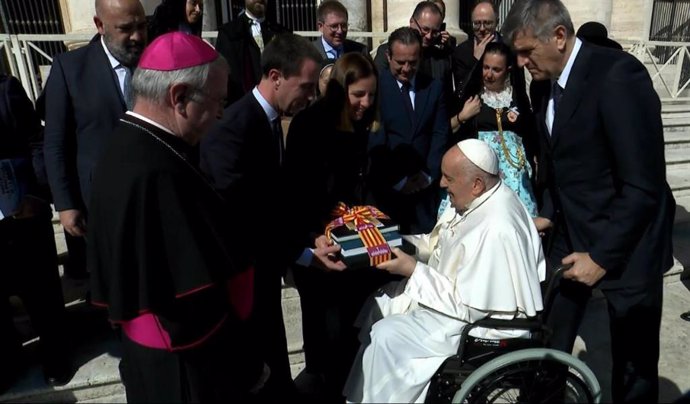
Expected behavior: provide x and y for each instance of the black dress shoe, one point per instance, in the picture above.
(58, 374)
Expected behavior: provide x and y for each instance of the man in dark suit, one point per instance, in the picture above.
(406, 152)
(434, 61)
(332, 23)
(241, 42)
(86, 94)
(606, 197)
(466, 55)
(27, 242)
(242, 157)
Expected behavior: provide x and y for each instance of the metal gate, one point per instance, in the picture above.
(298, 15)
(41, 17)
(671, 23)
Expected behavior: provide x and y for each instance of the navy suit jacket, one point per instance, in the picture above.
(604, 170)
(83, 105)
(400, 149)
(240, 156)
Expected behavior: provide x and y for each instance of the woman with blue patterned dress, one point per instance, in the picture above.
(497, 117)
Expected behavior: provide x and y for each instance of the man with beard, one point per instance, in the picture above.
(241, 42)
(87, 92)
(160, 243)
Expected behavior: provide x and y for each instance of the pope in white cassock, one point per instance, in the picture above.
(483, 259)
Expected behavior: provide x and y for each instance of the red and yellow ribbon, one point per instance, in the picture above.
(363, 220)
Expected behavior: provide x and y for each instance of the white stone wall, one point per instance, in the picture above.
(625, 19)
(631, 19)
(582, 11)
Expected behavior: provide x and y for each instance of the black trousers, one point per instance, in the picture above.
(330, 304)
(635, 321)
(218, 371)
(267, 322)
(29, 270)
(75, 267)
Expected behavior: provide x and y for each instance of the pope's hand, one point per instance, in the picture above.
(583, 270)
(402, 264)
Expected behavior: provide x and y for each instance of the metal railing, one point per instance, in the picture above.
(668, 64)
(667, 72)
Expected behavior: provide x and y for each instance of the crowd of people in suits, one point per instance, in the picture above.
(303, 125)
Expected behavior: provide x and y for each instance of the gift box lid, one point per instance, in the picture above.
(362, 261)
(358, 243)
(341, 234)
(364, 250)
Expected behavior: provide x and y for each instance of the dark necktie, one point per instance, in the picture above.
(127, 90)
(556, 94)
(278, 135)
(405, 93)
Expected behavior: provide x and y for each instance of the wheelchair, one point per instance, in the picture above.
(514, 370)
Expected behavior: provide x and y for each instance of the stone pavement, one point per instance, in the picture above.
(96, 350)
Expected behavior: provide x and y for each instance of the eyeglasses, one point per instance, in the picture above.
(426, 30)
(486, 24)
(334, 27)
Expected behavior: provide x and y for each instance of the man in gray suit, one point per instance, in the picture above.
(332, 23)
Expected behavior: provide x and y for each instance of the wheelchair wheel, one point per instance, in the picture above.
(536, 375)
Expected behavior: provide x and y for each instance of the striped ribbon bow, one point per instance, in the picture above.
(363, 220)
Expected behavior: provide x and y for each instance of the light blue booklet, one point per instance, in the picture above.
(13, 184)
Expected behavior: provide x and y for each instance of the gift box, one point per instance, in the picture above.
(365, 234)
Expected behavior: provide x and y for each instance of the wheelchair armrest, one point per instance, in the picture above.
(529, 324)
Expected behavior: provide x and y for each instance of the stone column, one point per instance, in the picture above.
(210, 23)
(77, 17)
(357, 15)
(631, 19)
(400, 11)
(582, 11)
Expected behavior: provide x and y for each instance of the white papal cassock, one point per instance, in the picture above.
(485, 263)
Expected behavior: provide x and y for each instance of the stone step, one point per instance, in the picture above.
(675, 122)
(292, 317)
(98, 380)
(677, 139)
(683, 216)
(675, 107)
(678, 178)
(676, 157)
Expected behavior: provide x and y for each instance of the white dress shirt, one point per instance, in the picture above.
(562, 81)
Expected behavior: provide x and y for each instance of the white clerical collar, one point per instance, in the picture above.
(114, 63)
(563, 79)
(251, 17)
(482, 198)
(271, 113)
(149, 121)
